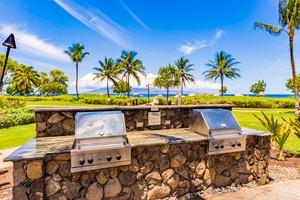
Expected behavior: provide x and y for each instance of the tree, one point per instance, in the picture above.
(222, 67)
(130, 67)
(108, 71)
(167, 77)
(75, 52)
(56, 84)
(183, 68)
(223, 89)
(289, 17)
(258, 87)
(290, 84)
(121, 87)
(23, 80)
(10, 66)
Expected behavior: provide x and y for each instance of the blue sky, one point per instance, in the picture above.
(159, 31)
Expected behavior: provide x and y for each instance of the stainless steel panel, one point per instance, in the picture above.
(214, 122)
(220, 145)
(99, 124)
(99, 158)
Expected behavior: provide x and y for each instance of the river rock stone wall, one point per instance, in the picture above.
(156, 172)
(59, 123)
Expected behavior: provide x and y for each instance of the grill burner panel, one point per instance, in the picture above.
(221, 128)
(100, 141)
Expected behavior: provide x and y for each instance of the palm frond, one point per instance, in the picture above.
(273, 30)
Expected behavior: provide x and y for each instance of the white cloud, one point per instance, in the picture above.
(95, 20)
(29, 43)
(86, 83)
(134, 16)
(190, 48)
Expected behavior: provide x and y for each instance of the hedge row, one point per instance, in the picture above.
(15, 116)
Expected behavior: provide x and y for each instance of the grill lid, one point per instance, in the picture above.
(214, 122)
(99, 124)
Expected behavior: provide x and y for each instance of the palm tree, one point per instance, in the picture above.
(108, 71)
(222, 67)
(76, 54)
(25, 79)
(183, 67)
(167, 77)
(289, 17)
(130, 67)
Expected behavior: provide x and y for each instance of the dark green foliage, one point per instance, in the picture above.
(14, 113)
(258, 87)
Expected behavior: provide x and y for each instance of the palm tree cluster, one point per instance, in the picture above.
(25, 80)
(120, 71)
(170, 76)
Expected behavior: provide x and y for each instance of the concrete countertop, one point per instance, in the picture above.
(37, 148)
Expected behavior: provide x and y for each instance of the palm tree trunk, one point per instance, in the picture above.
(181, 86)
(107, 87)
(77, 81)
(128, 85)
(291, 37)
(221, 85)
(167, 95)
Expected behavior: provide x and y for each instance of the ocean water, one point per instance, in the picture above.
(171, 95)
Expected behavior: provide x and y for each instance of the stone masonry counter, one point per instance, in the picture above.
(60, 121)
(165, 164)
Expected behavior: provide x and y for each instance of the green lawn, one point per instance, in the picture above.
(19, 135)
(16, 136)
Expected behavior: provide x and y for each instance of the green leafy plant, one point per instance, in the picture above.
(295, 125)
(281, 132)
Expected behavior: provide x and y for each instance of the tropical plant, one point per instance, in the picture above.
(222, 67)
(183, 68)
(167, 77)
(281, 132)
(108, 71)
(56, 84)
(295, 125)
(23, 80)
(130, 66)
(289, 17)
(121, 87)
(290, 84)
(76, 54)
(258, 87)
(223, 89)
(10, 66)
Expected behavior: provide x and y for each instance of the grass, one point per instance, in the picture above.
(246, 118)
(16, 136)
(36, 104)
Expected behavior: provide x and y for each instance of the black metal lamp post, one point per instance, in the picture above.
(9, 43)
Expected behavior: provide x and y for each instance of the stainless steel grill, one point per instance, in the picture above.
(221, 128)
(100, 141)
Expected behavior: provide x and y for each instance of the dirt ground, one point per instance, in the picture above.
(6, 178)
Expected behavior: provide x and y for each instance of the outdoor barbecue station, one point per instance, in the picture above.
(137, 152)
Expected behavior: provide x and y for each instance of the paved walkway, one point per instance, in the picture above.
(274, 191)
(3, 154)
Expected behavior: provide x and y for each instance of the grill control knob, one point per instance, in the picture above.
(238, 144)
(90, 160)
(221, 146)
(108, 158)
(81, 161)
(216, 146)
(118, 156)
(232, 144)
